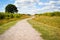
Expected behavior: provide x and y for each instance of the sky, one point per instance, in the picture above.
(32, 6)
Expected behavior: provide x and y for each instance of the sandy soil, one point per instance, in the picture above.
(21, 31)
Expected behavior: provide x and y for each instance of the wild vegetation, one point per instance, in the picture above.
(57, 13)
(48, 25)
(9, 19)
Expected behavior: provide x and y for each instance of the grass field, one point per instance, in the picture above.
(49, 27)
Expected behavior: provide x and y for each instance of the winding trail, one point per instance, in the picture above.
(21, 31)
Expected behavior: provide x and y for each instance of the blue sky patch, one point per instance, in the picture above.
(32, 6)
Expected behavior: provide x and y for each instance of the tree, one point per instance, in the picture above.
(10, 8)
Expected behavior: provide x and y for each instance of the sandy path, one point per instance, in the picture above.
(21, 31)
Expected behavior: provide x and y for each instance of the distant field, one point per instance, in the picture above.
(49, 27)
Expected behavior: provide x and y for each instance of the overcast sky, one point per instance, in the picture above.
(32, 6)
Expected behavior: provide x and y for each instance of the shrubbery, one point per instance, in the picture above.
(49, 14)
(2, 15)
(8, 15)
(52, 14)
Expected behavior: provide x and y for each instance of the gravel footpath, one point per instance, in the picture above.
(21, 31)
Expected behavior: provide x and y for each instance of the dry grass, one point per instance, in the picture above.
(50, 31)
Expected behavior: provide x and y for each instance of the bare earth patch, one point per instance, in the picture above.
(21, 31)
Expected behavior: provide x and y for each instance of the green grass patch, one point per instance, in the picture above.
(48, 32)
(6, 26)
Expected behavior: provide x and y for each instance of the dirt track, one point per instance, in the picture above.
(21, 31)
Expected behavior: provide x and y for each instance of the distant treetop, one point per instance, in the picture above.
(10, 8)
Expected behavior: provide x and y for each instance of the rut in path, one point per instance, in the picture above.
(21, 31)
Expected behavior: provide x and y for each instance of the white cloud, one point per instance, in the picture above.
(48, 3)
(50, 6)
(29, 6)
(25, 5)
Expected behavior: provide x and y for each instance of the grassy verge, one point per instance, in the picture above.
(48, 32)
(4, 21)
(52, 21)
(6, 26)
